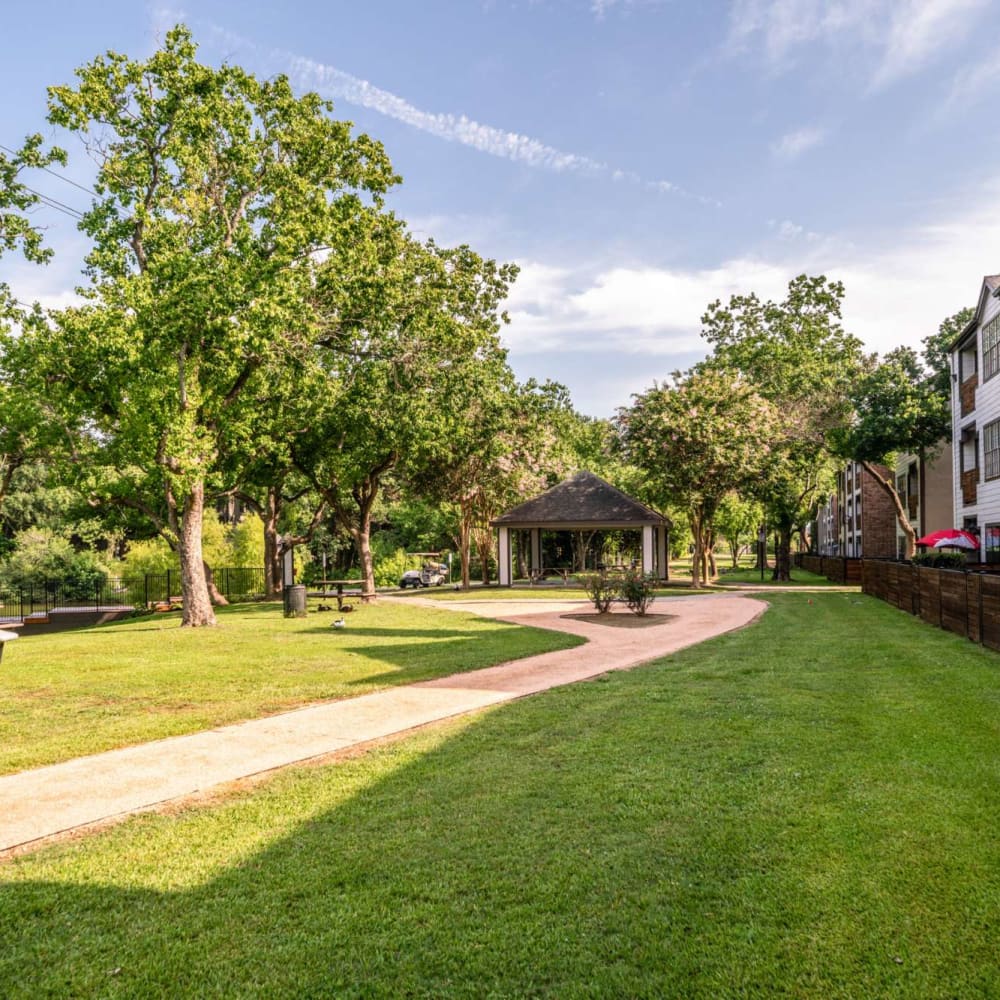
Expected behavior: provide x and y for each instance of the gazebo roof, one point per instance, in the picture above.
(583, 499)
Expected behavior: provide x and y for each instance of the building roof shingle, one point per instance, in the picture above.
(581, 499)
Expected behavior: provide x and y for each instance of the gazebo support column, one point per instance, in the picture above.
(536, 550)
(648, 566)
(503, 556)
(662, 565)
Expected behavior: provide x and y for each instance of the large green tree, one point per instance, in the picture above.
(407, 328)
(796, 354)
(699, 439)
(217, 193)
(27, 427)
(898, 407)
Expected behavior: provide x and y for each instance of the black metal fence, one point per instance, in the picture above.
(237, 583)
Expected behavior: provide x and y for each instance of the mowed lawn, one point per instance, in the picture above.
(541, 592)
(799, 577)
(73, 693)
(806, 808)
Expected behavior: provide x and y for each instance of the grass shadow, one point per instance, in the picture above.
(685, 829)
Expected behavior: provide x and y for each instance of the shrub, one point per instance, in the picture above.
(600, 589)
(389, 566)
(940, 560)
(637, 590)
(40, 557)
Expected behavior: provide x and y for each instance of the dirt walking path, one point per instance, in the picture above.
(45, 802)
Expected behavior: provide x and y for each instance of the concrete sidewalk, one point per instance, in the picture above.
(44, 802)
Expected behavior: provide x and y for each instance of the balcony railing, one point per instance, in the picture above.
(967, 394)
(970, 479)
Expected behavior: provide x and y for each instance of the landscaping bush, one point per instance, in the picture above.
(637, 590)
(599, 589)
(941, 560)
(41, 556)
(390, 566)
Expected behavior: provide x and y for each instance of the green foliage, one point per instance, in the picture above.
(228, 545)
(898, 407)
(601, 590)
(41, 556)
(637, 590)
(17, 231)
(737, 521)
(216, 192)
(937, 349)
(797, 354)
(152, 556)
(244, 544)
(390, 565)
(411, 331)
(705, 436)
(940, 559)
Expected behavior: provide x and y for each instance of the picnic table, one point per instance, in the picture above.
(340, 594)
(564, 573)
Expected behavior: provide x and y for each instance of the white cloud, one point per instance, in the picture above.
(919, 30)
(973, 82)
(637, 310)
(334, 83)
(896, 37)
(329, 81)
(898, 289)
(793, 144)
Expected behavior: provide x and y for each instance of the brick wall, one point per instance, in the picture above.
(878, 520)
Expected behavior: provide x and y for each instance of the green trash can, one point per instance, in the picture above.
(295, 601)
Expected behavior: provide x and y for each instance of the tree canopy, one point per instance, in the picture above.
(216, 194)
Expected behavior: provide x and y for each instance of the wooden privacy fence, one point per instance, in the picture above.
(961, 601)
(967, 603)
(840, 569)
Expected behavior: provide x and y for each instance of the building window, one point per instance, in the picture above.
(991, 543)
(991, 450)
(991, 348)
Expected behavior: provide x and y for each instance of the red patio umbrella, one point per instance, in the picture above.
(950, 538)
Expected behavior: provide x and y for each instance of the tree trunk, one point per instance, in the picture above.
(782, 554)
(464, 545)
(362, 539)
(521, 572)
(696, 560)
(889, 488)
(483, 540)
(272, 548)
(215, 595)
(197, 610)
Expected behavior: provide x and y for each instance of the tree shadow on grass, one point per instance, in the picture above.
(616, 839)
(390, 633)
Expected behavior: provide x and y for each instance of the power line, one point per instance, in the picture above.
(57, 205)
(55, 173)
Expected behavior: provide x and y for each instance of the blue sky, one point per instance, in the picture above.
(637, 158)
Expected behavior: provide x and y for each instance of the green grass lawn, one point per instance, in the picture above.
(72, 693)
(541, 592)
(806, 808)
(799, 578)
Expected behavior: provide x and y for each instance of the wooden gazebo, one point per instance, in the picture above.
(583, 502)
